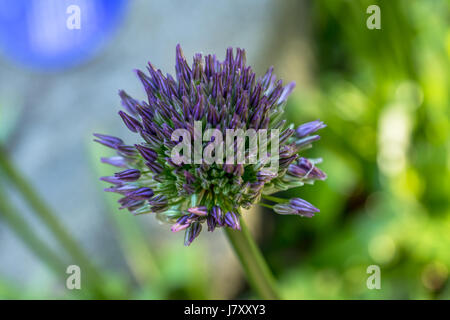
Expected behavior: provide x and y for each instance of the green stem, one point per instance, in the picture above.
(50, 220)
(23, 230)
(255, 267)
(262, 204)
(273, 199)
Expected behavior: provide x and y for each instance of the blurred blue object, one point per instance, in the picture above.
(57, 34)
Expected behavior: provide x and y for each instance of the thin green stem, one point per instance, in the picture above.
(273, 199)
(262, 204)
(10, 215)
(253, 263)
(50, 219)
(23, 230)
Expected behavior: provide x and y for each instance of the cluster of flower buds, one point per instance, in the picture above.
(219, 95)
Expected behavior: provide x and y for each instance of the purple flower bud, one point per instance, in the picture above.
(147, 153)
(113, 180)
(285, 162)
(306, 141)
(296, 206)
(109, 141)
(158, 200)
(127, 202)
(145, 112)
(198, 111)
(178, 227)
(177, 124)
(128, 175)
(211, 223)
(297, 171)
(287, 151)
(284, 209)
(305, 169)
(285, 135)
(286, 92)
(130, 122)
(216, 213)
(122, 189)
(115, 161)
(265, 175)
(147, 82)
(152, 140)
(192, 232)
(232, 220)
(256, 119)
(302, 205)
(254, 100)
(155, 167)
(309, 127)
(181, 224)
(128, 102)
(141, 194)
(193, 217)
(200, 210)
(213, 116)
(128, 151)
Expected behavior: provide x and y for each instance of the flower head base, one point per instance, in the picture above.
(214, 95)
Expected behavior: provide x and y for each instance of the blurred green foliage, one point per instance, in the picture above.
(384, 96)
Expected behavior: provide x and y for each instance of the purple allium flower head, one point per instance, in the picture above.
(219, 95)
